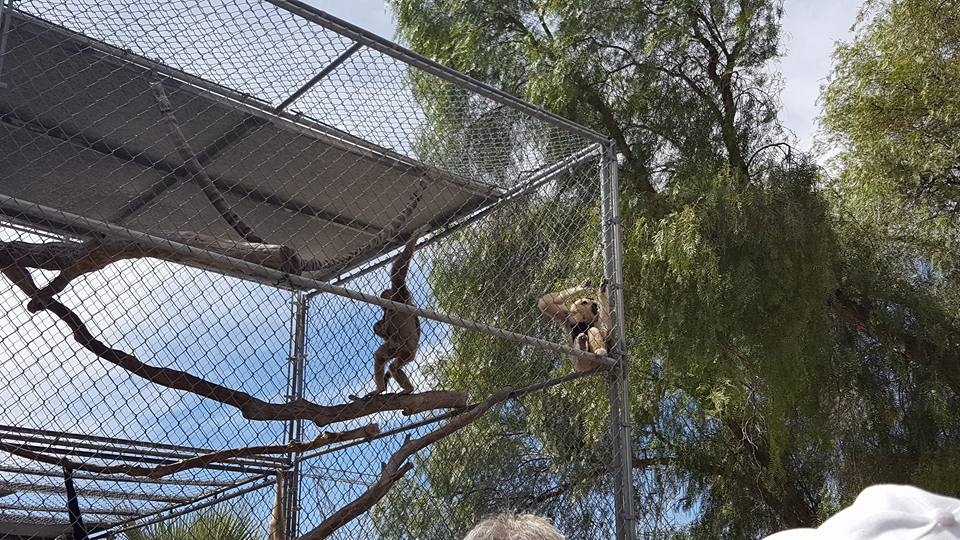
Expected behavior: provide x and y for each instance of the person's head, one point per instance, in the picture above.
(514, 527)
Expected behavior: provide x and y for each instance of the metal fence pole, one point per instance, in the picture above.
(622, 456)
(298, 357)
(6, 14)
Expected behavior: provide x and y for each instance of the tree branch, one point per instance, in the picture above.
(770, 145)
(73, 259)
(396, 467)
(197, 462)
(250, 407)
(200, 176)
(943, 360)
(722, 81)
(637, 463)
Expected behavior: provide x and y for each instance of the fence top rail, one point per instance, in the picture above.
(423, 63)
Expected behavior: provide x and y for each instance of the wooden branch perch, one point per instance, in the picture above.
(73, 259)
(250, 407)
(196, 462)
(396, 467)
(189, 157)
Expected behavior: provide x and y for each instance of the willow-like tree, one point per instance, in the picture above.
(787, 346)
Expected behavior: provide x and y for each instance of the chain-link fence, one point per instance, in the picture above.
(205, 210)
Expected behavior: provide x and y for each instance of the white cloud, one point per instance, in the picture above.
(811, 29)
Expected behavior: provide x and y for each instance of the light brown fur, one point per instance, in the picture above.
(586, 321)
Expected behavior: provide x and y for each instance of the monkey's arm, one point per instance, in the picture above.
(606, 322)
(553, 304)
(398, 272)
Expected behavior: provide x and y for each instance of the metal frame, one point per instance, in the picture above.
(305, 288)
(259, 110)
(621, 465)
(298, 363)
(424, 64)
(18, 207)
(258, 114)
(57, 443)
(545, 176)
(6, 13)
(622, 455)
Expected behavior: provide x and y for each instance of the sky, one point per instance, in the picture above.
(811, 28)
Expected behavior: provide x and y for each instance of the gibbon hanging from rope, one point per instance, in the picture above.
(400, 331)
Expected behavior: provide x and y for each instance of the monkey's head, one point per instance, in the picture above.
(387, 294)
(585, 310)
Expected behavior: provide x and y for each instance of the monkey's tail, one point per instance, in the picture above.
(73, 506)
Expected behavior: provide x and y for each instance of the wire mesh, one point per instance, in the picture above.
(201, 205)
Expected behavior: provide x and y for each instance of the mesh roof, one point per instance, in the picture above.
(97, 148)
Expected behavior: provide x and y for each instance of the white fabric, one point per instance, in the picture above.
(888, 512)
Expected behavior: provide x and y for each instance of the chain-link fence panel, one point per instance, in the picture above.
(269, 275)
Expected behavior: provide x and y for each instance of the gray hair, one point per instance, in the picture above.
(514, 527)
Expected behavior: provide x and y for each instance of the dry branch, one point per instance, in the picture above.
(189, 157)
(561, 489)
(196, 462)
(73, 259)
(250, 407)
(396, 467)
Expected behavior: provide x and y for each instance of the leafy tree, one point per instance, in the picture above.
(891, 106)
(206, 525)
(892, 103)
(785, 350)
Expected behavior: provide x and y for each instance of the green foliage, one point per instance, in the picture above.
(792, 335)
(221, 524)
(893, 106)
(892, 102)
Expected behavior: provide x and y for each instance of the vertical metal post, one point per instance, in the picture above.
(622, 456)
(295, 378)
(6, 15)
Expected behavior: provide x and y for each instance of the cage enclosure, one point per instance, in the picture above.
(202, 203)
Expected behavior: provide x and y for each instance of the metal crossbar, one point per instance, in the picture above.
(12, 205)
